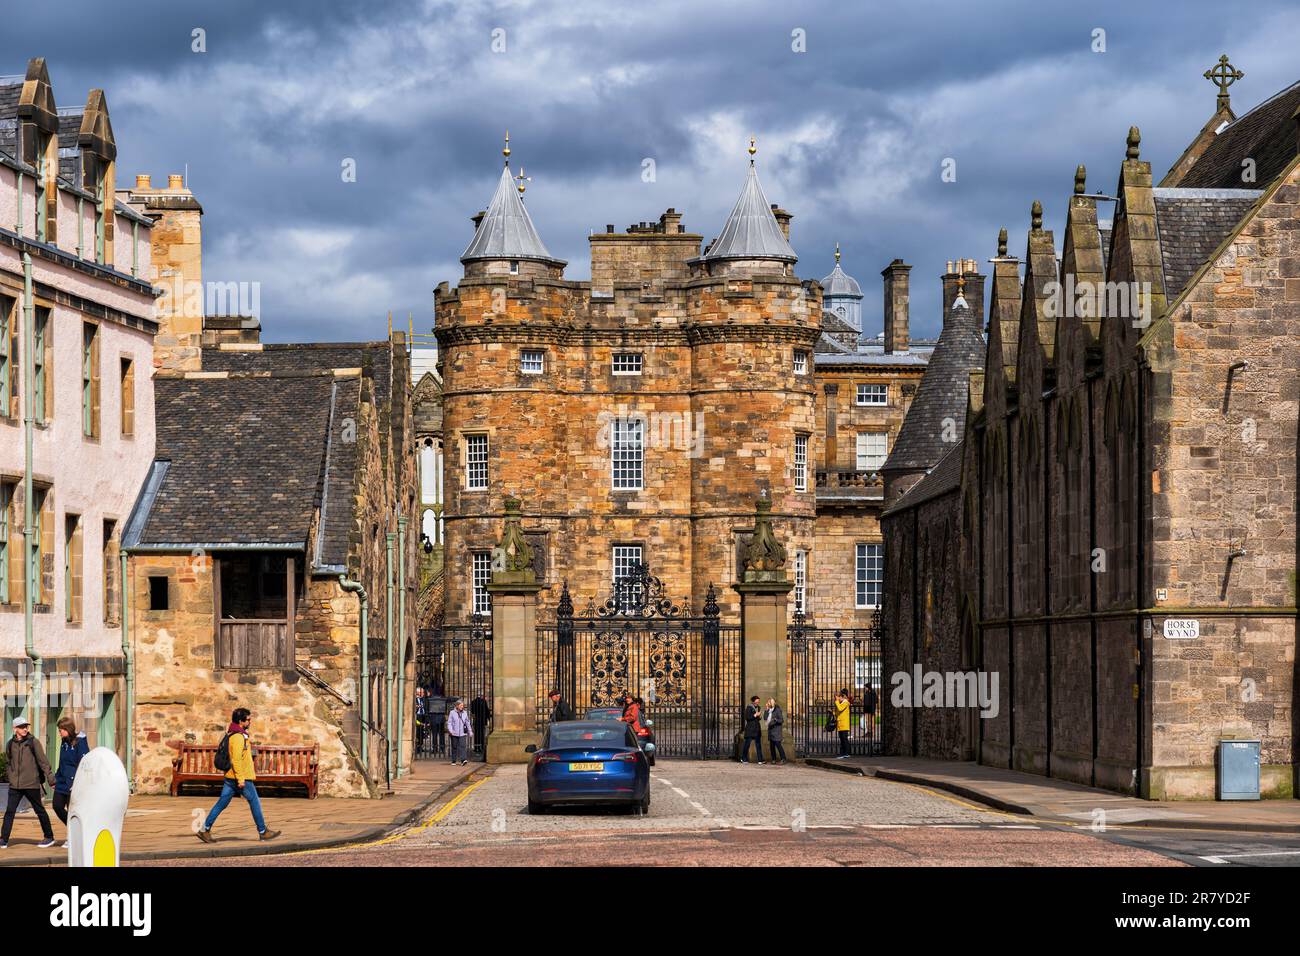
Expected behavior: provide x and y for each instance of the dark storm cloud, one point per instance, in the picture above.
(851, 133)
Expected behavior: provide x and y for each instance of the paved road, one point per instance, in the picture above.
(721, 813)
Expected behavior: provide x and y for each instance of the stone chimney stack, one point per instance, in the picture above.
(897, 304)
(783, 220)
(974, 287)
(177, 250)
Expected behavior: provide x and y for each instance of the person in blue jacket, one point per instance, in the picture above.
(72, 748)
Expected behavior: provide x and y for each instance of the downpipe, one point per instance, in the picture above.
(30, 571)
(357, 588)
(401, 638)
(389, 539)
(129, 662)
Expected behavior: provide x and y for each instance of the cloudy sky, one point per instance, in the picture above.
(852, 133)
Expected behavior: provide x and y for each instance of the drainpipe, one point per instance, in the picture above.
(401, 635)
(356, 587)
(29, 518)
(129, 660)
(389, 538)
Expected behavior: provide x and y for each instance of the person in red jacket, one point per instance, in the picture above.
(632, 715)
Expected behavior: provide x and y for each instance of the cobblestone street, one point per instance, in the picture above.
(721, 813)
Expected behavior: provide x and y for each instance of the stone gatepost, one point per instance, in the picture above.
(763, 590)
(514, 590)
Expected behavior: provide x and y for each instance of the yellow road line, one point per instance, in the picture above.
(394, 837)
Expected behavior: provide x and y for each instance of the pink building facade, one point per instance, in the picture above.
(77, 325)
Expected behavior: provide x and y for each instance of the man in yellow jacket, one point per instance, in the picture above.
(239, 778)
(842, 721)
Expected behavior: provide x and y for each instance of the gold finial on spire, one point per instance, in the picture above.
(521, 179)
(752, 150)
(1223, 76)
(505, 151)
(961, 283)
(390, 325)
(837, 253)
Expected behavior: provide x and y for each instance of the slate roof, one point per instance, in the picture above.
(375, 358)
(11, 89)
(69, 133)
(942, 394)
(828, 344)
(751, 231)
(1267, 134)
(872, 355)
(1192, 224)
(506, 230)
(940, 480)
(249, 461)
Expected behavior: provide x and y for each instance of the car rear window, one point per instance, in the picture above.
(609, 736)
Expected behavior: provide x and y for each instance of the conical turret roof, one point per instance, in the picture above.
(506, 231)
(751, 231)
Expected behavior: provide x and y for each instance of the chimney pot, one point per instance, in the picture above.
(175, 181)
(143, 181)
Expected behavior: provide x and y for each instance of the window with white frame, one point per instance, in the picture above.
(873, 449)
(800, 462)
(800, 362)
(482, 577)
(871, 394)
(627, 363)
(627, 452)
(476, 462)
(625, 559)
(532, 361)
(801, 582)
(870, 574)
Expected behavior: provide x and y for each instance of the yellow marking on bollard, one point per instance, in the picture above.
(104, 853)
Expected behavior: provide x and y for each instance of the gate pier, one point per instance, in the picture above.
(514, 590)
(764, 590)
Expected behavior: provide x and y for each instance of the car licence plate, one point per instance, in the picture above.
(586, 767)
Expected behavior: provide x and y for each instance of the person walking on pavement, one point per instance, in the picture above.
(239, 777)
(753, 730)
(560, 709)
(462, 733)
(775, 720)
(72, 748)
(28, 772)
(842, 721)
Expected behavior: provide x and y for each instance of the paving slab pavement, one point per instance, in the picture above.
(1024, 793)
(163, 827)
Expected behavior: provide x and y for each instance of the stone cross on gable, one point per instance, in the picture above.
(1223, 76)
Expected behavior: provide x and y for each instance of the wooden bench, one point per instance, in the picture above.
(273, 765)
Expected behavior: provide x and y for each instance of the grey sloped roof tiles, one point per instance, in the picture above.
(941, 395)
(1192, 224)
(940, 480)
(1266, 134)
(246, 458)
(374, 358)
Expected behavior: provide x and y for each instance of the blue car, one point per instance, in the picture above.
(591, 762)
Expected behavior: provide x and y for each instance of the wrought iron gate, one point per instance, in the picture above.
(686, 669)
(453, 663)
(824, 661)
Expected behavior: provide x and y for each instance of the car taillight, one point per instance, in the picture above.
(545, 757)
(627, 757)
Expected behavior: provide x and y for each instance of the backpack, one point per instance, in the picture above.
(831, 723)
(221, 759)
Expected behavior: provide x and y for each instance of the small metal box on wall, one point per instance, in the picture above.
(1238, 770)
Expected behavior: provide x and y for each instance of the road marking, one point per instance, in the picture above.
(393, 838)
(1015, 826)
(681, 793)
(1225, 857)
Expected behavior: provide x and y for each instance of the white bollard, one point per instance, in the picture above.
(96, 810)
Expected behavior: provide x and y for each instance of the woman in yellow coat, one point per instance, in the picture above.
(842, 721)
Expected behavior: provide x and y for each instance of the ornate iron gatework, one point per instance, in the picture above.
(685, 669)
(824, 661)
(453, 663)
